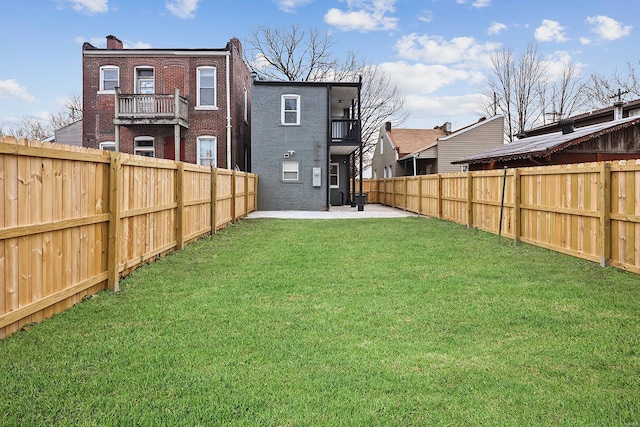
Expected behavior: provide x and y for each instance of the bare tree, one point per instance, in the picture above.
(602, 89)
(71, 112)
(563, 96)
(291, 54)
(297, 55)
(524, 90)
(40, 129)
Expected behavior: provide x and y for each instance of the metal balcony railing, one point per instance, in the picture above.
(345, 130)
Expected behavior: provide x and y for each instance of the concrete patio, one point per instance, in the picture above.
(336, 212)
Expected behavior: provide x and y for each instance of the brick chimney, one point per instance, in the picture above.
(113, 42)
(387, 126)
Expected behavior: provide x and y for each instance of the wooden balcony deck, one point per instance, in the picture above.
(169, 109)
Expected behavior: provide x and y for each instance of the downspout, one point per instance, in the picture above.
(228, 114)
(415, 166)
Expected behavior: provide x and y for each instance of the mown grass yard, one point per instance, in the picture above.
(408, 321)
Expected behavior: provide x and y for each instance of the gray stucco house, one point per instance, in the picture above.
(304, 140)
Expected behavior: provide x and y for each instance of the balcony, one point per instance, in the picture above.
(151, 109)
(345, 131)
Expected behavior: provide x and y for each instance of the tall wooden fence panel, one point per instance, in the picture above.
(591, 211)
(73, 220)
(625, 216)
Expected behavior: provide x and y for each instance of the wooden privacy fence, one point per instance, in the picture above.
(591, 211)
(74, 221)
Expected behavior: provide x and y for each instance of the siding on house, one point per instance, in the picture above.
(70, 134)
(384, 158)
(465, 142)
(271, 140)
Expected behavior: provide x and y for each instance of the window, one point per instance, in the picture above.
(109, 78)
(464, 168)
(246, 105)
(289, 171)
(385, 172)
(108, 146)
(143, 146)
(206, 77)
(334, 177)
(290, 110)
(381, 146)
(207, 149)
(145, 82)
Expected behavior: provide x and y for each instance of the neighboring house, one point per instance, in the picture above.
(305, 136)
(70, 134)
(611, 140)
(617, 111)
(406, 152)
(186, 104)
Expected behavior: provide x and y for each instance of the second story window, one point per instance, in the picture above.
(206, 77)
(290, 110)
(109, 78)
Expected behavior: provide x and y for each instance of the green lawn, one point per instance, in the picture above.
(408, 321)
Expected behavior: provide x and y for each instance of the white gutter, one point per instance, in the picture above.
(228, 117)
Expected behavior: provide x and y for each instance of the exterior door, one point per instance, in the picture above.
(145, 85)
(170, 148)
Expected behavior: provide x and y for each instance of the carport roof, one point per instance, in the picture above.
(543, 145)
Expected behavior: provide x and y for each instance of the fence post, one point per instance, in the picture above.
(233, 196)
(246, 193)
(469, 199)
(214, 199)
(115, 190)
(419, 194)
(180, 206)
(604, 204)
(439, 196)
(516, 206)
(405, 182)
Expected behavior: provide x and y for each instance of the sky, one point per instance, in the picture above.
(435, 51)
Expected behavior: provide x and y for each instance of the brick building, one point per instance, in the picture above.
(194, 103)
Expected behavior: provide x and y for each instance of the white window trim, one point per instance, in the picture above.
(215, 89)
(151, 149)
(381, 145)
(296, 170)
(282, 110)
(108, 67)
(215, 149)
(108, 146)
(337, 175)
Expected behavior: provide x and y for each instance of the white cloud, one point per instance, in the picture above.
(476, 3)
(90, 7)
(496, 28)
(550, 31)
(430, 111)
(289, 6)
(557, 61)
(585, 40)
(463, 51)
(11, 89)
(608, 28)
(363, 15)
(426, 16)
(424, 79)
(136, 45)
(184, 9)
(481, 3)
